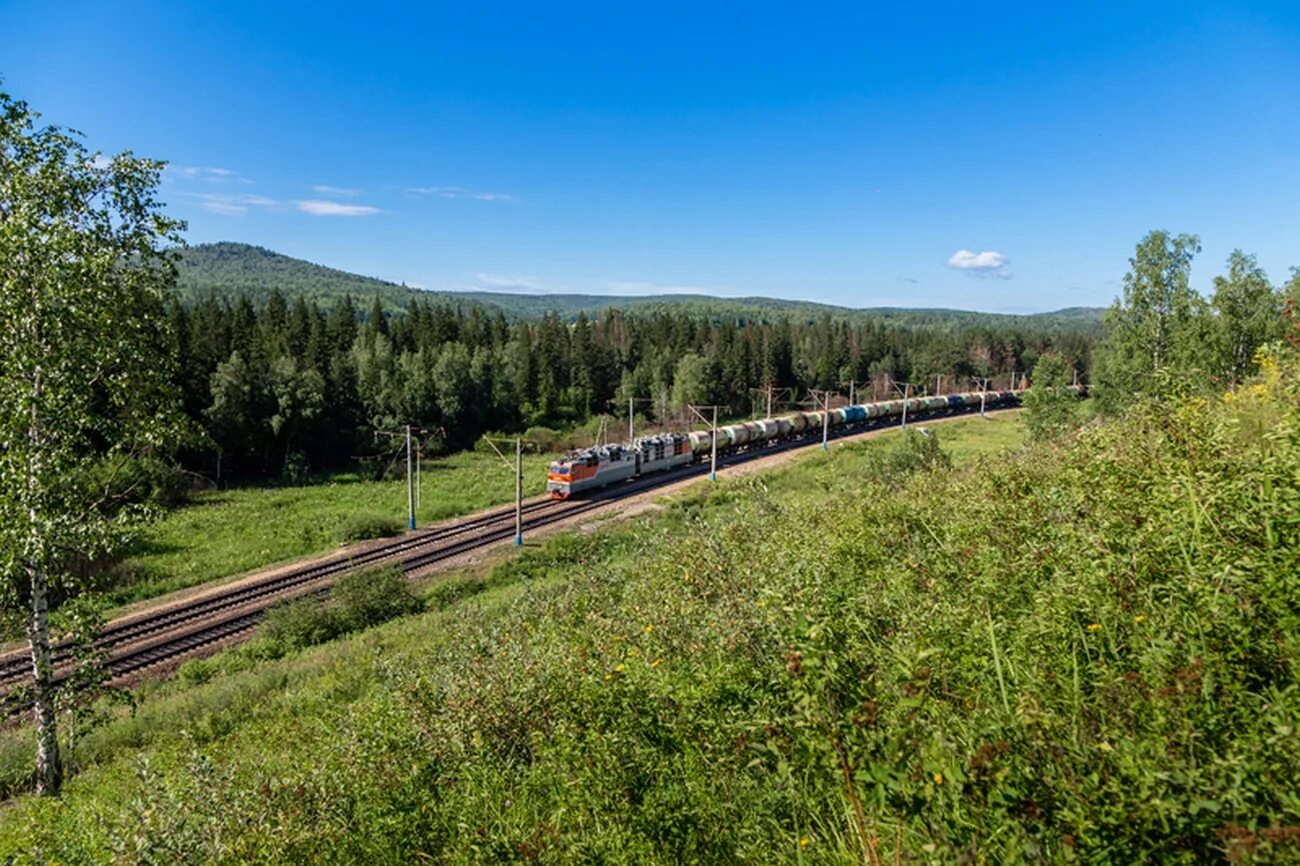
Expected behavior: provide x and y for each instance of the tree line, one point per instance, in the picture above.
(288, 387)
(1162, 336)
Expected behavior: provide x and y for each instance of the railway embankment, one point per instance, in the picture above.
(1083, 648)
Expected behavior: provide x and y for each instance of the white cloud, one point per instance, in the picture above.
(988, 263)
(621, 287)
(233, 205)
(224, 208)
(320, 207)
(336, 191)
(512, 282)
(210, 174)
(460, 192)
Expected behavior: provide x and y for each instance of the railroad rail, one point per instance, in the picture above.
(179, 630)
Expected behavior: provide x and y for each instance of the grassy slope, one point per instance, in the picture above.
(1075, 652)
(229, 532)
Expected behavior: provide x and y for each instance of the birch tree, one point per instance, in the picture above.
(85, 263)
(1158, 330)
(1248, 315)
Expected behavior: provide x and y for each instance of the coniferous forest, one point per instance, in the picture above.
(294, 386)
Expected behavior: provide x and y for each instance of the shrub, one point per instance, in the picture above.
(916, 450)
(366, 598)
(542, 439)
(360, 527)
(301, 622)
(357, 601)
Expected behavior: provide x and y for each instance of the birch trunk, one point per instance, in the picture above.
(49, 764)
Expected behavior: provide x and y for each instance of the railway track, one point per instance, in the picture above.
(176, 631)
(270, 589)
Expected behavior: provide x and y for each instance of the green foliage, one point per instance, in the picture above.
(1165, 339)
(367, 598)
(1248, 315)
(1084, 652)
(85, 366)
(1156, 333)
(300, 623)
(692, 380)
(1050, 410)
(358, 600)
(233, 269)
(282, 387)
(916, 451)
(359, 527)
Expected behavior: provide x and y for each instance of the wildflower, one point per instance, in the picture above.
(1105, 747)
(618, 668)
(803, 843)
(1139, 618)
(1096, 626)
(649, 629)
(656, 663)
(938, 778)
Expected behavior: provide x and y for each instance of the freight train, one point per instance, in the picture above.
(591, 468)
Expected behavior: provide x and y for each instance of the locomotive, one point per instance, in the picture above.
(602, 465)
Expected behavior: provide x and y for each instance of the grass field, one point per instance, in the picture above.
(1076, 652)
(224, 533)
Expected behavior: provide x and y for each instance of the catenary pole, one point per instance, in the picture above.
(907, 393)
(519, 491)
(410, 490)
(826, 418)
(713, 450)
(419, 488)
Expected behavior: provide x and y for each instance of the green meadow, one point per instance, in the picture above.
(908, 649)
(225, 533)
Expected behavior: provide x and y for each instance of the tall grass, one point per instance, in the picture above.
(1082, 652)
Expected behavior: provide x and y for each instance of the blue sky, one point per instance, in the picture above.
(986, 156)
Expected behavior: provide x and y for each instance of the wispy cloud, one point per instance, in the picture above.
(233, 205)
(460, 192)
(911, 280)
(336, 191)
(622, 287)
(229, 204)
(512, 282)
(320, 207)
(210, 174)
(989, 263)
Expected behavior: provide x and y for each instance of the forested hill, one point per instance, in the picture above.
(231, 269)
(771, 309)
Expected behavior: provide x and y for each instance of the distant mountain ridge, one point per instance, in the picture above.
(230, 269)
